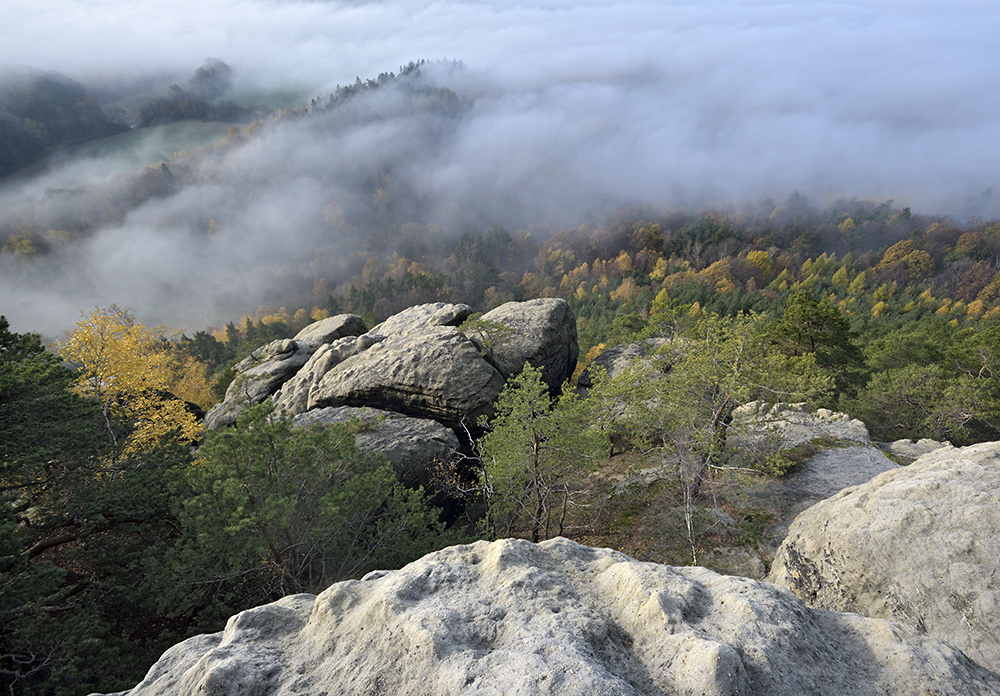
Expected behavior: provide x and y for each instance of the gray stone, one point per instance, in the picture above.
(759, 429)
(541, 332)
(329, 330)
(422, 316)
(293, 396)
(789, 425)
(919, 544)
(516, 618)
(257, 377)
(414, 446)
(824, 474)
(908, 450)
(433, 372)
(615, 360)
(267, 368)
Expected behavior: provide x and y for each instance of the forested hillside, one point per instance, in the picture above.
(40, 113)
(43, 114)
(902, 310)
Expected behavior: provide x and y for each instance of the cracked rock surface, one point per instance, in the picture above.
(511, 617)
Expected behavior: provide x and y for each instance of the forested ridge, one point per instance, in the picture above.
(117, 538)
(39, 113)
(42, 114)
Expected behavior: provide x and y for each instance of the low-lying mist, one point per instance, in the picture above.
(557, 111)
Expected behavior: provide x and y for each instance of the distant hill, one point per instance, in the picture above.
(43, 111)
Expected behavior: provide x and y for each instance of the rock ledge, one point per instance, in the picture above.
(511, 617)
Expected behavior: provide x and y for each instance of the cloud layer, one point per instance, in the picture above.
(573, 103)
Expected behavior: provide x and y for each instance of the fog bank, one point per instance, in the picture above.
(568, 106)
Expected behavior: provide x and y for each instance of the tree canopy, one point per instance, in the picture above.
(124, 367)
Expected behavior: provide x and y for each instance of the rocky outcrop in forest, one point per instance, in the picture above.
(917, 544)
(541, 332)
(511, 617)
(262, 373)
(840, 454)
(412, 445)
(416, 364)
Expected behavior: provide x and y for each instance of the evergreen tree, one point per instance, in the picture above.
(533, 445)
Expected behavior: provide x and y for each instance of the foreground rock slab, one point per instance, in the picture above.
(919, 544)
(557, 618)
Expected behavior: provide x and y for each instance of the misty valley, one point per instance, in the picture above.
(256, 340)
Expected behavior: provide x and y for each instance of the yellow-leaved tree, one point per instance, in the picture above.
(126, 368)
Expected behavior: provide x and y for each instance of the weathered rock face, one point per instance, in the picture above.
(257, 377)
(415, 363)
(293, 397)
(795, 424)
(262, 373)
(422, 316)
(557, 618)
(613, 361)
(433, 372)
(918, 544)
(412, 445)
(542, 333)
(908, 450)
(825, 474)
(329, 330)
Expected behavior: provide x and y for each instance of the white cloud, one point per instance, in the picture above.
(574, 101)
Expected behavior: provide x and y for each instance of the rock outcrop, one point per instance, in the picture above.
(615, 360)
(266, 369)
(907, 450)
(416, 363)
(293, 397)
(434, 372)
(412, 445)
(329, 330)
(421, 316)
(919, 544)
(789, 425)
(540, 332)
(558, 618)
(842, 456)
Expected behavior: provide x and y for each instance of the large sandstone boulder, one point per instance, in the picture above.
(557, 618)
(919, 544)
(293, 396)
(257, 377)
(412, 445)
(421, 316)
(262, 373)
(329, 330)
(540, 332)
(433, 372)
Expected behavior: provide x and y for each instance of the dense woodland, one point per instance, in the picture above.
(117, 537)
(41, 113)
